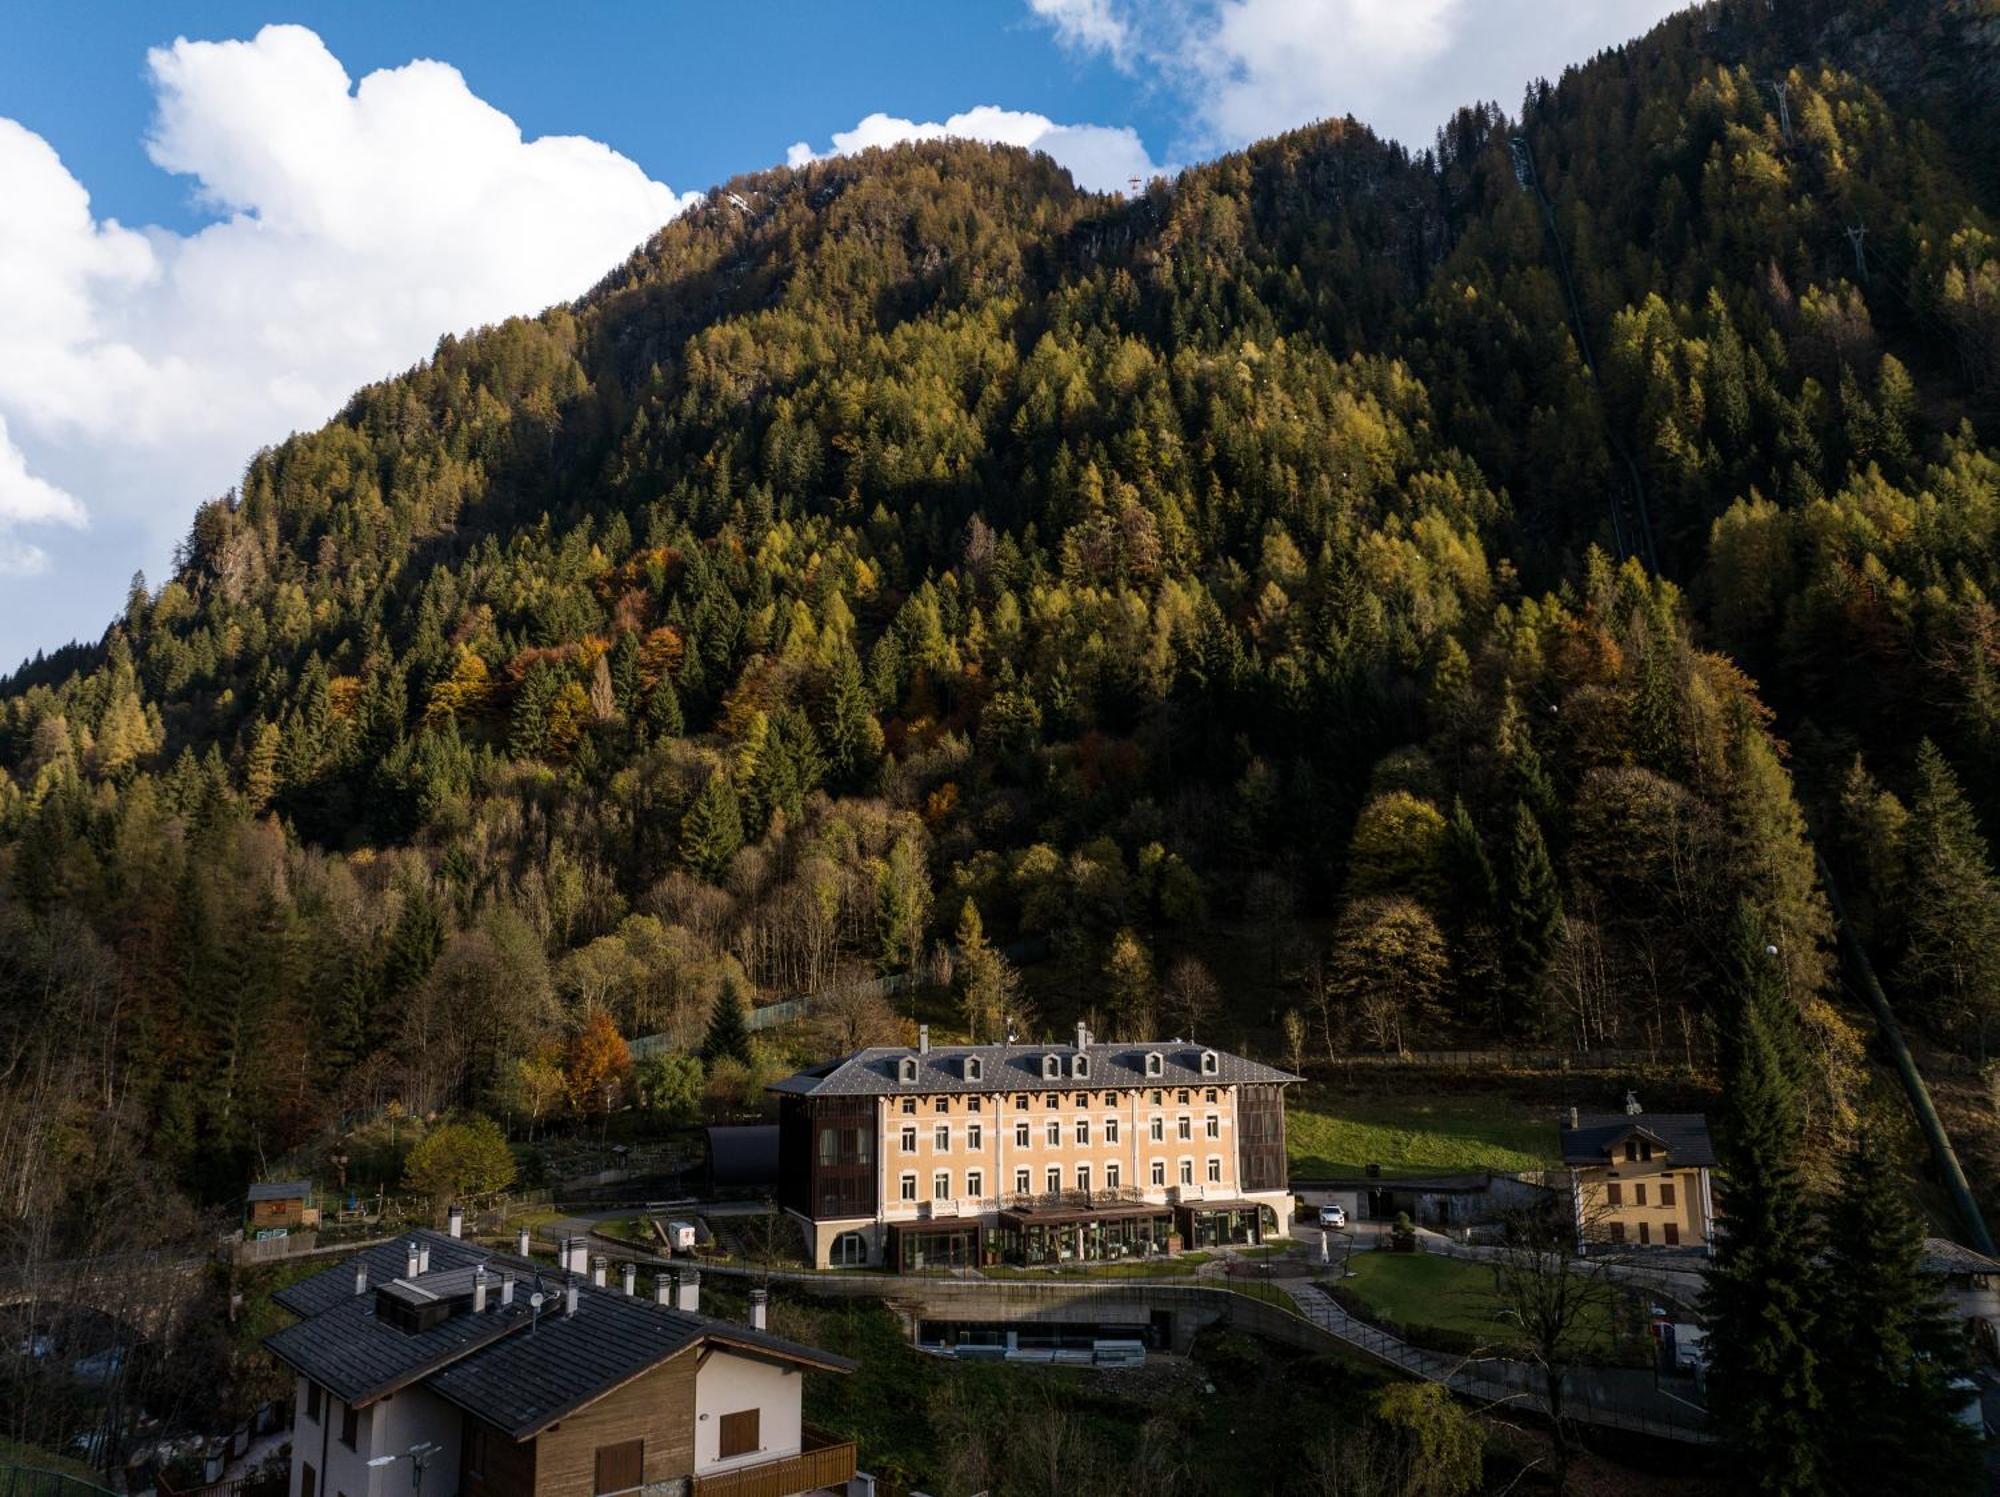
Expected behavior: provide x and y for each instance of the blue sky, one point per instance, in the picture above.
(219, 219)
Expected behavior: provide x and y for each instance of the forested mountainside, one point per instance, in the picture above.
(1465, 575)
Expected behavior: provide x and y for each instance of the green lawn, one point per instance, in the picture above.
(1427, 1289)
(1331, 1134)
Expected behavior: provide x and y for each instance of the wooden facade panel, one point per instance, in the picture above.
(841, 1150)
(657, 1408)
(1260, 1138)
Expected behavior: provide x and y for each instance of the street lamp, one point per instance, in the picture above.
(419, 1456)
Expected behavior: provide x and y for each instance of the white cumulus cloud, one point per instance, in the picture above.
(1102, 158)
(1250, 68)
(354, 224)
(27, 500)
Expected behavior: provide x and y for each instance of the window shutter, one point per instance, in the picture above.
(1614, 1194)
(1618, 1231)
(1673, 1234)
(739, 1434)
(1666, 1195)
(307, 1481)
(621, 1467)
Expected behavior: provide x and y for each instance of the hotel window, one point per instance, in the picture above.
(1673, 1232)
(1020, 1102)
(1210, 1063)
(943, 1105)
(1083, 1130)
(1156, 1099)
(941, 1138)
(909, 1140)
(1614, 1194)
(1184, 1097)
(908, 1069)
(941, 1186)
(1187, 1172)
(1080, 1067)
(909, 1183)
(1020, 1135)
(909, 1107)
(1154, 1065)
(972, 1104)
(974, 1136)
(1111, 1130)
(1054, 1099)
(1055, 1180)
(1666, 1195)
(975, 1070)
(1214, 1171)
(1083, 1177)
(1214, 1126)
(1051, 1068)
(1156, 1130)
(1055, 1133)
(1110, 1177)
(1639, 1194)
(1186, 1127)
(1159, 1172)
(1021, 1181)
(1211, 1095)
(975, 1183)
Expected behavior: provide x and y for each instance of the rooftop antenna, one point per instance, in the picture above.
(535, 1301)
(1858, 237)
(1134, 184)
(1783, 89)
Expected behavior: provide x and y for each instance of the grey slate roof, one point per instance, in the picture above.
(1685, 1135)
(511, 1368)
(1943, 1256)
(1018, 1068)
(280, 1190)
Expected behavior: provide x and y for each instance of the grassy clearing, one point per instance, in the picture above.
(1426, 1289)
(1331, 1133)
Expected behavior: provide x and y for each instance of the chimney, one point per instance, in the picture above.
(506, 1290)
(688, 1295)
(923, 1039)
(1575, 1120)
(760, 1303)
(423, 1256)
(570, 1298)
(479, 1290)
(412, 1261)
(522, 1241)
(663, 1291)
(454, 1221)
(630, 1274)
(597, 1267)
(360, 1276)
(1082, 1035)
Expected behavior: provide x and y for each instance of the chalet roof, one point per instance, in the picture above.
(1684, 1135)
(1943, 1256)
(514, 1369)
(280, 1190)
(874, 1072)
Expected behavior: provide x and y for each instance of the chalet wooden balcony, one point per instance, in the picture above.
(823, 1462)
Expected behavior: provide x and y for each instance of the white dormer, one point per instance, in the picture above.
(1080, 1068)
(975, 1068)
(1051, 1067)
(1156, 1064)
(906, 1070)
(1211, 1063)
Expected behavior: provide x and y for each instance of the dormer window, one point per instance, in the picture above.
(906, 1070)
(975, 1068)
(1156, 1064)
(1080, 1068)
(1051, 1067)
(1211, 1063)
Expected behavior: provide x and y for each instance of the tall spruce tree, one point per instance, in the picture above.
(1952, 905)
(728, 1036)
(712, 829)
(1530, 926)
(1888, 1352)
(1762, 1290)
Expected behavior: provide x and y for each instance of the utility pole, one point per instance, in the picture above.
(1858, 236)
(1783, 89)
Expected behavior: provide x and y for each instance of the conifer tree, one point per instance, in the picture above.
(1888, 1350)
(1762, 1291)
(853, 738)
(983, 980)
(260, 767)
(528, 728)
(712, 829)
(663, 711)
(1530, 926)
(1952, 904)
(728, 1036)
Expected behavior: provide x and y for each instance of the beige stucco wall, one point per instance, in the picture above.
(729, 1384)
(1688, 1211)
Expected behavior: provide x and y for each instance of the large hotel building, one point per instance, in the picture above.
(977, 1154)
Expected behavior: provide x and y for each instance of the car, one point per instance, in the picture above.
(1333, 1216)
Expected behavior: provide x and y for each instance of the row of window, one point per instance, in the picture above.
(1614, 1193)
(973, 1067)
(352, 1420)
(1670, 1233)
(1052, 1100)
(975, 1134)
(975, 1180)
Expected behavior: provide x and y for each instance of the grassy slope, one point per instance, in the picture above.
(1417, 1132)
(1425, 1289)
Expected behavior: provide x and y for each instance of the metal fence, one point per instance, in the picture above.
(32, 1481)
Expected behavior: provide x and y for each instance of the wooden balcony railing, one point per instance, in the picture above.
(823, 1462)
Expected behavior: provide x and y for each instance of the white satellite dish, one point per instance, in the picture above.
(536, 1300)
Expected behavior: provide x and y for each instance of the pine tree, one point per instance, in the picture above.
(1887, 1348)
(260, 767)
(528, 728)
(1762, 1290)
(1530, 927)
(1952, 904)
(853, 738)
(663, 711)
(728, 1036)
(712, 829)
(982, 979)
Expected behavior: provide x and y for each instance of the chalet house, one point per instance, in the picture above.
(273, 1208)
(970, 1154)
(439, 1367)
(1970, 1285)
(1640, 1179)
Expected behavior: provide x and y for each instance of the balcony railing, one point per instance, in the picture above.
(1046, 1200)
(823, 1462)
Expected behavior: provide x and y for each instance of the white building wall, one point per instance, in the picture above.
(389, 1427)
(728, 1384)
